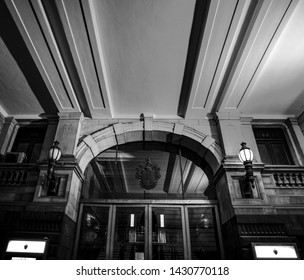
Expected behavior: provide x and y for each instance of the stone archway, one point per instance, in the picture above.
(147, 130)
(184, 138)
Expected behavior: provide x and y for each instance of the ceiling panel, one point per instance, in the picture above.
(121, 58)
(280, 83)
(145, 46)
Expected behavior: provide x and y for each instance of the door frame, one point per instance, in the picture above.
(148, 205)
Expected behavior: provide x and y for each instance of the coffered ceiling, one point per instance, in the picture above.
(169, 58)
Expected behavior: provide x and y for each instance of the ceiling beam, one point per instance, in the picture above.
(196, 35)
(34, 28)
(76, 19)
(89, 12)
(264, 22)
(18, 41)
(54, 33)
(222, 28)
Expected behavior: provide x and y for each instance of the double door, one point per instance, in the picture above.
(148, 231)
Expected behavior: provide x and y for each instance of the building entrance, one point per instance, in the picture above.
(148, 201)
(151, 231)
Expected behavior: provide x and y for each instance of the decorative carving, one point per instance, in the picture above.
(148, 175)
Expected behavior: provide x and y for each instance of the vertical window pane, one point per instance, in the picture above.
(129, 237)
(264, 153)
(94, 231)
(36, 152)
(167, 234)
(203, 234)
(280, 154)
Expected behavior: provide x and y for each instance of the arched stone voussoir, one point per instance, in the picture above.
(84, 158)
(91, 143)
(102, 134)
(120, 133)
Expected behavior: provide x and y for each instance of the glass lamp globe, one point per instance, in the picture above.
(54, 152)
(245, 154)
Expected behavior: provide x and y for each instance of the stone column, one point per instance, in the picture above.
(68, 131)
(230, 129)
(7, 134)
(67, 238)
(229, 181)
(234, 130)
(67, 134)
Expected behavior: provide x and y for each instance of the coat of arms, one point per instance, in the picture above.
(147, 175)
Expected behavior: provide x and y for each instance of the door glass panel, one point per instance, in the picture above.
(93, 235)
(129, 236)
(202, 234)
(167, 234)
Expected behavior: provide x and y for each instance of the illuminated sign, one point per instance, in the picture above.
(26, 246)
(26, 249)
(275, 251)
(23, 259)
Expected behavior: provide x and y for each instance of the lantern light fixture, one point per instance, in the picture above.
(245, 153)
(246, 156)
(54, 152)
(51, 181)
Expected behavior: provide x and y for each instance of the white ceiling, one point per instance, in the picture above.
(169, 58)
(145, 47)
(281, 77)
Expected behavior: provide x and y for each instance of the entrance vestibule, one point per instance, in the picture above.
(150, 201)
(149, 230)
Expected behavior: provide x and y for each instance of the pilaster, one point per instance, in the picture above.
(230, 129)
(68, 131)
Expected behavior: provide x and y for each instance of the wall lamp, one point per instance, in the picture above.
(51, 180)
(246, 156)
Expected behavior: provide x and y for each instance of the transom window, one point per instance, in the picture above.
(135, 172)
